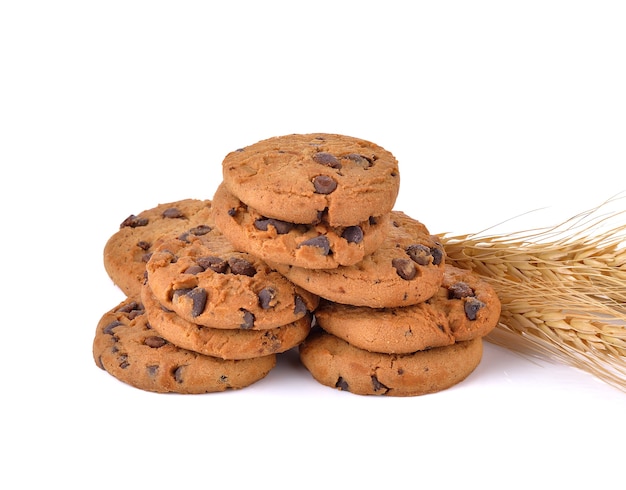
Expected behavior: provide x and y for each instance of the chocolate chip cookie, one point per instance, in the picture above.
(128, 249)
(128, 349)
(305, 178)
(406, 269)
(219, 342)
(204, 280)
(313, 246)
(335, 363)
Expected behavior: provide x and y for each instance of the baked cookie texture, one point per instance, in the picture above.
(220, 342)
(128, 249)
(300, 177)
(405, 270)
(335, 363)
(312, 246)
(300, 247)
(206, 281)
(128, 349)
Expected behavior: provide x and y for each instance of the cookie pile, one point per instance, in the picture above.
(299, 246)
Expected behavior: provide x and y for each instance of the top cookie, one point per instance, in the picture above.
(129, 248)
(302, 178)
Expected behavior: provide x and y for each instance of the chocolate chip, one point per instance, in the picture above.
(130, 307)
(378, 385)
(420, 254)
(199, 298)
(248, 320)
(214, 263)
(109, 328)
(342, 384)
(353, 234)
(405, 268)
(324, 184)
(152, 370)
(437, 254)
(173, 213)
(282, 227)
(267, 297)
(239, 266)
(143, 245)
(460, 290)
(471, 307)
(200, 230)
(360, 160)
(320, 241)
(194, 269)
(134, 221)
(178, 374)
(232, 212)
(300, 305)
(154, 341)
(124, 361)
(327, 159)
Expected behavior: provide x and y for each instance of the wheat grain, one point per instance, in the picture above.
(563, 289)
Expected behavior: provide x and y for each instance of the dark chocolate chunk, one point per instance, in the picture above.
(420, 254)
(282, 227)
(405, 268)
(173, 213)
(320, 241)
(109, 328)
(300, 305)
(342, 384)
(214, 263)
(267, 297)
(134, 221)
(194, 269)
(248, 320)
(239, 266)
(327, 159)
(437, 254)
(152, 370)
(200, 230)
(460, 290)
(199, 298)
(143, 245)
(360, 160)
(178, 374)
(353, 234)
(378, 385)
(124, 361)
(324, 184)
(472, 305)
(155, 342)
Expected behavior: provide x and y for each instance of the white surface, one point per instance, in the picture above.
(108, 108)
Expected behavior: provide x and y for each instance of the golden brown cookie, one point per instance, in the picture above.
(300, 177)
(335, 363)
(406, 269)
(469, 302)
(400, 330)
(219, 342)
(127, 250)
(128, 349)
(206, 281)
(313, 246)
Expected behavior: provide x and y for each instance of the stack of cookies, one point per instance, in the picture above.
(199, 315)
(299, 246)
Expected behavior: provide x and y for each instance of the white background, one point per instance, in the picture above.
(108, 108)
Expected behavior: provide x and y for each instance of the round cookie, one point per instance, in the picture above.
(313, 246)
(298, 177)
(128, 349)
(469, 302)
(127, 250)
(222, 343)
(206, 281)
(406, 269)
(335, 363)
(401, 330)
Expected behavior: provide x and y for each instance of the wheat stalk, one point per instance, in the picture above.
(562, 288)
